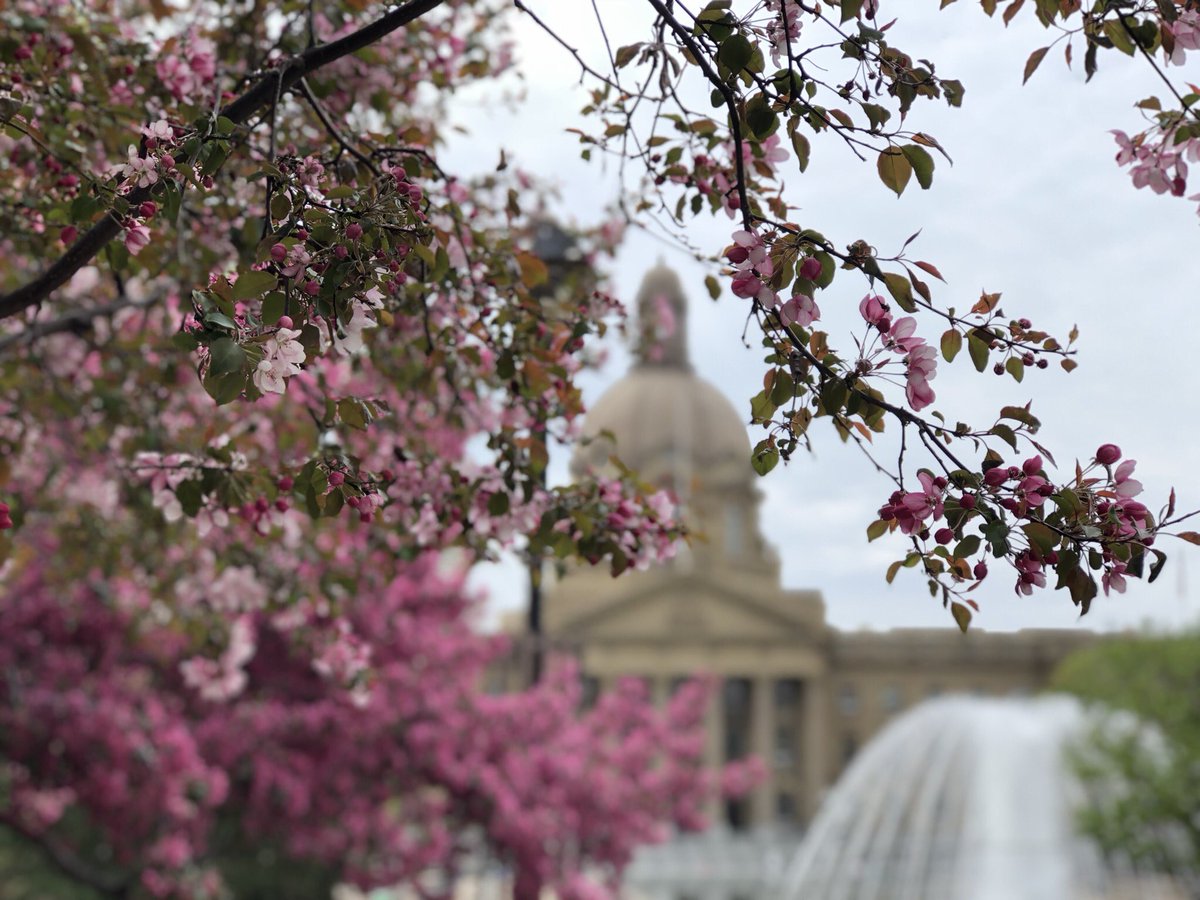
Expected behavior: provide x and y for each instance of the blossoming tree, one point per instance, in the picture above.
(264, 362)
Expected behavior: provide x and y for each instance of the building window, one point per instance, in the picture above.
(737, 814)
(892, 698)
(736, 693)
(589, 691)
(848, 700)
(785, 807)
(785, 747)
(849, 748)
(787, 694)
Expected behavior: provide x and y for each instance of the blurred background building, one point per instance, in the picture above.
(800, 695)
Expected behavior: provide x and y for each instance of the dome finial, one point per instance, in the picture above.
(662, 320)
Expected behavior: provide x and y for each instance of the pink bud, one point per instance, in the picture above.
(302, 234)
(168, 161)
(1032, 466)
(995, 477)
(278, 252)
(312, 287)
(1108, 454)
(147, 209)
(285, 322)
(262, 504)
(810, 268)
(354, 231)
(286, 483)
(340, 251)
(737, 255)
(980, 570)
(336, 478)
(5, 522)
(282, 505)
(944, 535)
(365, 518)
(68, 234)
(967, 501)
(4, 510)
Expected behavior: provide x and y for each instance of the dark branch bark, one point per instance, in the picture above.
(68, 863)
(257, 97)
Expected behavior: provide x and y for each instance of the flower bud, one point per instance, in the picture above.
(354, 231)
(810, 268)
(336, 478)
(967, 501)
(944, 535)
(1032, 466)
(285, 322)
(278, 252)
(147, 209)
(1107, 454)
(980, 570)
(286, 483)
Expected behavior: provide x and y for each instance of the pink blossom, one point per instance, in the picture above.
(875, 310)
(136, 238)
(800, 310)
(922, 367)
(139, 171)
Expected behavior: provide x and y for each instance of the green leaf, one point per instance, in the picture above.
(894, 169)
(1015, 368)
(765, 457)
(978, 350)
(712, 286)
(1115, 32)
(876, 529)
(951, 344)
(353, 413)
(962, 616)
(922, 164)
(850, 9)
(760, 118)
(497, 504)
(801, 146)
(253, 284)
(272, 307)
(735, 52)
(968, 546)
(190, 495)
(1005, 434)
(1041, 536)
(901, 290)
(226, 357)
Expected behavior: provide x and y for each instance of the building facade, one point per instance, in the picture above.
(800, 695)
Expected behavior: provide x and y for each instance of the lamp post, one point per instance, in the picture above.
(560, 253)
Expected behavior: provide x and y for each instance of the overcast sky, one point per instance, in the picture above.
(1034, 207)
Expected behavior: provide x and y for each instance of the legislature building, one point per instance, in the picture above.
(795, 692)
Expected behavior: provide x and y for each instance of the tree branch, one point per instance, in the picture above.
(67, 862)
(255, 98)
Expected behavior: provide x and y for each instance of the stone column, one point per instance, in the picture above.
(715, 752)
(762, 745)
(814, 740)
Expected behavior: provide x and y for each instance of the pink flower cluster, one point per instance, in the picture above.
(911, 509)
(752, 269)
(188, 68)
(920, 359)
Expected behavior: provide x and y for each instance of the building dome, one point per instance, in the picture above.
(670, 425)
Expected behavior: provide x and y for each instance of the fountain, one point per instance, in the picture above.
(961, 798)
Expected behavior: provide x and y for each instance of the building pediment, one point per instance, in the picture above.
(682, 609)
